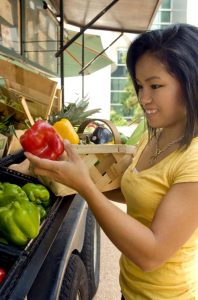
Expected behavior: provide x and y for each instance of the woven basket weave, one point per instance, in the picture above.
(106, 162)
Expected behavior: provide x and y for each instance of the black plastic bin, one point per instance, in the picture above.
(13, 258)
(63, 261)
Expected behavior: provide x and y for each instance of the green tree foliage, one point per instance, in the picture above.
(130, 100)
(131, 110)
(117, 119)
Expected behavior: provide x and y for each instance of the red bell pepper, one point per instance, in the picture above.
(42, 140)
(2, 274)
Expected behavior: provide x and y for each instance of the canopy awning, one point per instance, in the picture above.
(92, 48)
(133, 16)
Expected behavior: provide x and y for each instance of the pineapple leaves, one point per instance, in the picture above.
(75, 112)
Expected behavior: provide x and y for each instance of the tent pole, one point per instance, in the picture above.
(62, 54)
(61, 42)
(99, 54)
(83, 64)
(58, 53)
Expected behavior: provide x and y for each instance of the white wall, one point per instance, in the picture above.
(192, 11)
(96, 87)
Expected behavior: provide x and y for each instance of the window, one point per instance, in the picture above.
(117, 108)
(166, 4)
(41, 36)
(118, 83)
(119, 80)
(165, 16)
(122, 56)
(29, 32)
(121, 71)
(9, 26)
(118, 96)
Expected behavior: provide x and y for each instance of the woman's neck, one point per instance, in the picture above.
(169, 134)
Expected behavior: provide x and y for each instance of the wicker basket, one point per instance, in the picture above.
(106, 163)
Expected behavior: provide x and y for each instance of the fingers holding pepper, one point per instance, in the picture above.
(71, 171)
(42, 166)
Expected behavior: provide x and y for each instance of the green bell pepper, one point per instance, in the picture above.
(19, 221)
(42, 211)
(37, 193)
(10, 192)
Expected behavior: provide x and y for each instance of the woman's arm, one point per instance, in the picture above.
(174, 222)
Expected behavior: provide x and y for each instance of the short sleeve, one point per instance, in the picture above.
(186, 167)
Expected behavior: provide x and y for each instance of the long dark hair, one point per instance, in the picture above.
(177, 48)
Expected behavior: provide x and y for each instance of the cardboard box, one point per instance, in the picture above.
(3, 142)
(14, 144)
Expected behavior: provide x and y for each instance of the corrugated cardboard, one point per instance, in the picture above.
(3, 142)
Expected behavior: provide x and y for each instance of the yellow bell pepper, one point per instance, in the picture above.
(66, 131)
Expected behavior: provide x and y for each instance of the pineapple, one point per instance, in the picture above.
(75, 112)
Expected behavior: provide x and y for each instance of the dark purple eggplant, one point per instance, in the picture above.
(101, 135)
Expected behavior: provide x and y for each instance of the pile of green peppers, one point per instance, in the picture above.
(21, 211)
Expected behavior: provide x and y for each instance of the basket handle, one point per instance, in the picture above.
(111, 126)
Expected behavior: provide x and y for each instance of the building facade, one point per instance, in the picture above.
(170, 12)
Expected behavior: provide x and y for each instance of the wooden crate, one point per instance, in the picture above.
(38, 95)
(106, 164)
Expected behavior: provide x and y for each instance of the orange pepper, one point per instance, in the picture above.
(67, 131)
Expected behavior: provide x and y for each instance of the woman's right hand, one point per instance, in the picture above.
(70, 170)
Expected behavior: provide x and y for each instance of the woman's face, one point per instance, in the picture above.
(159, 94)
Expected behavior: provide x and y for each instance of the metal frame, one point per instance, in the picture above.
(80, 33)
(60, 52)
(85, 27)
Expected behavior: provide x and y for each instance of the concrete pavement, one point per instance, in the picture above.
(109, 288)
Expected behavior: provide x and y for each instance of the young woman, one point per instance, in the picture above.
(158, 237)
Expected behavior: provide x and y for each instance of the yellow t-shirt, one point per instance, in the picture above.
(178, 277)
